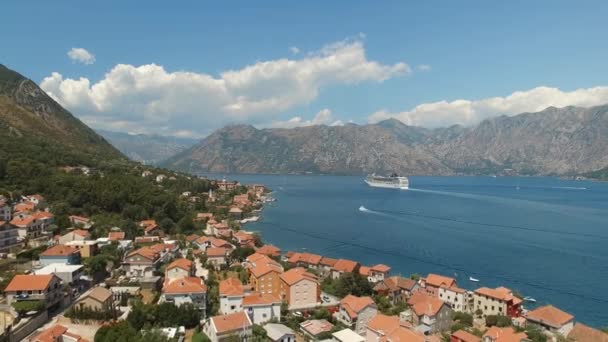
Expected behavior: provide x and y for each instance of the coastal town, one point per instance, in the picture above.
(222, 283)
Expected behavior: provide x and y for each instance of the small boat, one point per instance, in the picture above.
(362, 208)
(530, 299)
(475, 280)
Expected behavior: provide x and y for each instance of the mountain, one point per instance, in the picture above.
(31, 122)
(147, 149)
(555, 141)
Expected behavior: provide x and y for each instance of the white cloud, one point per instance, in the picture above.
(148, 98)
(470, 112)
(424, 67)
(323, 117)
(294, 50)
(80, 55)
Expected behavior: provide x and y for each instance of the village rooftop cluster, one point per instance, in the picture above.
(241, 289)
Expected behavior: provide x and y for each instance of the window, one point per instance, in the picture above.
(492, 307)
(485, 307)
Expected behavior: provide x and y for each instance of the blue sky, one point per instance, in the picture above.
(479, 53)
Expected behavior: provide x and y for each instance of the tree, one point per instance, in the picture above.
(241, 253)
(200, 336)
(463, 318)
(121, 331)
(321, 313)
(353, 283)
(259, 333)
(26, 306)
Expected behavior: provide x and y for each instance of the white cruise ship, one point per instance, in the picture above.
(392, 182)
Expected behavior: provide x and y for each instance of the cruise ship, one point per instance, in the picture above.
(392, 182)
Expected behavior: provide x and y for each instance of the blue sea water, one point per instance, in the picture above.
(544, 237)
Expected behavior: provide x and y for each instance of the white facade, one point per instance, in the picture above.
(5, 212)
(231, 304)
(176, 273)
(262, 313)
(67, 273)
(457, 299)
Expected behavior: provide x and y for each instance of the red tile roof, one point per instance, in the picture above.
(55, 333)
(505, 335)
(316, 326)
(296, 275)
(354, 305)
(216, 252)
(344, 265)
(437, 280)
(269, 250)
(583, 333)
(423, 304)
(231, 287)
(115, 236)
(465, 336)
(328, 261)
(227, 323)
(185, 285)
(307, 258)
(380, 268)
(390, 330)
(81, 232)
(261, 299)
(550, 315)
(500, 293)
(33, 282)
(182, 263)
(60, 250)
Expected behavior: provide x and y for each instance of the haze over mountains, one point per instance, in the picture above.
(555, 141)
(146, 148)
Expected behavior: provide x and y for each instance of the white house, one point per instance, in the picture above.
(551, 319)
(261, 308)
(231, 296)
(279, 333)
(237, 324)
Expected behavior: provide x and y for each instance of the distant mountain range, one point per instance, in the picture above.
(555, 141)
(147, 149)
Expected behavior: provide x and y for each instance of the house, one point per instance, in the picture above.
(74, 235)
(261, 308)
(237, 324)
(116, 236)
(397, 289)
(142, 262)
(428, 314)
(87, 248)
(6, 212)
(37, 199)
(225, 185)
(24, 207)
(299, 288)
(69, 274)
(498, 301)
(150, 227)
(496, 334)
(347, 335)
(264, 274)
(187, 290)
(203, 217)
(146, 173)
(235, 213)
(355, 312)
(433, 282)
(384, 328)
(81, 221)
(205, 242)
(222, 230)
(231, 295)
(313, 328)
(192, 238)
(241, 200)
(217, 255)
(28, 227)
(8, 237)
(146, 239)
(456, 297)
(179, 268)
(244, 239)
(160, 178)
(464, 336)
(269, 250)
(344, 266)
(45, 218)
(46, 288)
(552, 319)
(57, 333)
(326, 265)
(60, 254)
(378, 273)
(307, 260)
(279, 333)
(583, 333)
(98, 298)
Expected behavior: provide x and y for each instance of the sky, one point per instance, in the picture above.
(188, 68)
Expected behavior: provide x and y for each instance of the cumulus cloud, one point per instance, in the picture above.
(323, 117)
(148, 97)
(470, 112)
(80, 55)
(424, 67)
(294, 50)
